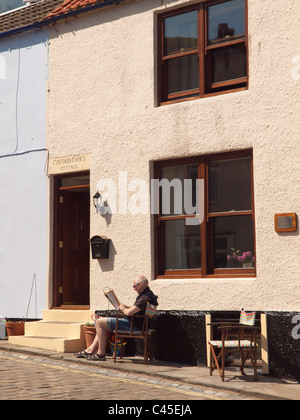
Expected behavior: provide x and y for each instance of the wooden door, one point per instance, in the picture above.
(75, 248)
(72, 256)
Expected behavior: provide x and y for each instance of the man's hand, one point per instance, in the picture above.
(129, 310)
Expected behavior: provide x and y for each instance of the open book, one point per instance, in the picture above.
(111, 296)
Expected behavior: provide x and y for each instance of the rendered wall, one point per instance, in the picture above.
(23, 183)
(103, 101)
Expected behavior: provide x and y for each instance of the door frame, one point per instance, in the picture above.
(57, 254)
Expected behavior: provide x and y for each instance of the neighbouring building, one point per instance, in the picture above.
(203, 97)
(23, 160)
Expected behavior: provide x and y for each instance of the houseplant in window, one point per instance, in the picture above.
(245, 258)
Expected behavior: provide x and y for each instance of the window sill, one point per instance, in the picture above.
(244, 273)
(207, 95)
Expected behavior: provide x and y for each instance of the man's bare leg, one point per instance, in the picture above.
(101, 328)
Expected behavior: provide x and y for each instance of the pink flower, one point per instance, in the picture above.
(247, 254)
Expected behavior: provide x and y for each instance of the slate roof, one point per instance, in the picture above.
(27, 15)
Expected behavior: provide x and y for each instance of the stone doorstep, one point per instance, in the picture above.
(59, 331)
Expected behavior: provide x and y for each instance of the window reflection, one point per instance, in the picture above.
(173, 194)
(228, 64)
(183, 73)
(180, 32)
(226, 21)
(182, 245)
(230, 185)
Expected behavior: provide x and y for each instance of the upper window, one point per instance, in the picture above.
(203, 50)
(205, 218)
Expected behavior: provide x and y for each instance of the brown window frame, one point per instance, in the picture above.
(206, 232)
(206, 87)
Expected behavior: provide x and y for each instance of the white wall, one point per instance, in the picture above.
(103, 101)
(23, 183)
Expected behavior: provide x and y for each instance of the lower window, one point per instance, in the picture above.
(205, 221)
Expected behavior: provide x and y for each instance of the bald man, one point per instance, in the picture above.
(96, 351)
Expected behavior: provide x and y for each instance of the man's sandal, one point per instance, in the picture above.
(82, 354)
(96, 357)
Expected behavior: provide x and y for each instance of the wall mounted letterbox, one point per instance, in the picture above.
(100, 247)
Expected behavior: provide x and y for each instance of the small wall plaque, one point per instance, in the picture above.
(285, 222)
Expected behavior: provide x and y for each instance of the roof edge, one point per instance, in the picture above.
(54, 19)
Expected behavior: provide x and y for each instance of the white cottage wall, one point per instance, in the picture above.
(103, 101)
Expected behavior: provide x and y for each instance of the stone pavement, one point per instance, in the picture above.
(193, 376)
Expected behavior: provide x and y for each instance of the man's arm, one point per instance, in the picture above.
(129, 311)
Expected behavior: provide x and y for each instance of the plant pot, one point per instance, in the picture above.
(248, 265)
(14, 328)
(90, 334)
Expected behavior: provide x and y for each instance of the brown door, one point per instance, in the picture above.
(72, 245)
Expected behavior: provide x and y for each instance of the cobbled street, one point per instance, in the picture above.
(25, 377)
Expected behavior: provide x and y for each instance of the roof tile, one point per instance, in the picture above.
(28, 15)
(73, 5)
(41, 12)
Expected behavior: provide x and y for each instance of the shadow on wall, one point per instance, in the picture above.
(181, 337)
(108, 264)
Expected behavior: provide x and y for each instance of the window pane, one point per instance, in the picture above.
(230, 185)
(182, 245)
(228, 63)
(183, 73)
(180, 32)
(226, 21)
(177, 195)
(233, 233)
(75, 180)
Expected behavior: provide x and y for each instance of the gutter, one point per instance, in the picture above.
(55, 19)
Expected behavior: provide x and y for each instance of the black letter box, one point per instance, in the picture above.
(100, 247)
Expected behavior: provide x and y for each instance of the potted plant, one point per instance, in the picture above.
(244, 258)
(14, 328)
(90, 333)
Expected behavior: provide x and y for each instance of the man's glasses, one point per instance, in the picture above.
(135, 285)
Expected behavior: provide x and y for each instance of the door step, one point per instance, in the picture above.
(60, 330)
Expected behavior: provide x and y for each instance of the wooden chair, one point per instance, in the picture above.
(236, 337)
(145, 334)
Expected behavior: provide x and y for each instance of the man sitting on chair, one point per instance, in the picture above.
(96, 351)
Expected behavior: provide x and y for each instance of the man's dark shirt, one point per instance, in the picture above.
(141, 302)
